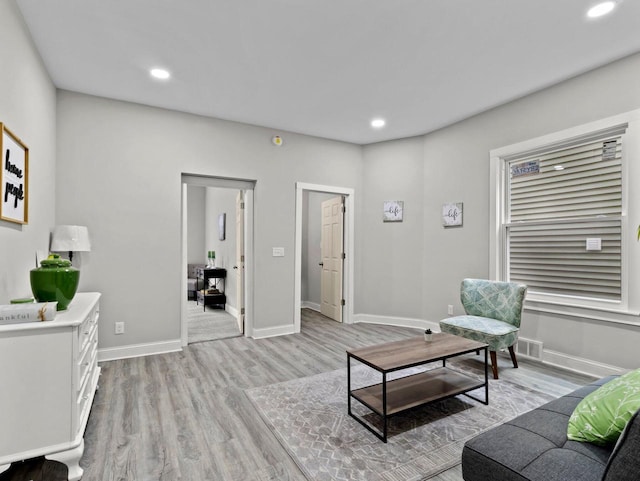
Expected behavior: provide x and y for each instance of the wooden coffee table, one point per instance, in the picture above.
(389, 398)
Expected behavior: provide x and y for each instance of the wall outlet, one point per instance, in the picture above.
(119, 327)
(278, 252)
(450, 310)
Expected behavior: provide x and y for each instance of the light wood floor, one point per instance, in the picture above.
(209, 324)
(184, 416)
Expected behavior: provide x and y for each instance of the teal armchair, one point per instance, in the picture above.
(493, 313)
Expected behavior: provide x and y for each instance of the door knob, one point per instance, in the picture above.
(321, 263)
(235, 267)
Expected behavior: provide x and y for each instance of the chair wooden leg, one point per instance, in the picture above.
(513, 357)
(494, 364)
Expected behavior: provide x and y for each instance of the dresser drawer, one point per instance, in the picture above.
(87, 391)
(87, 359)
(85, 330)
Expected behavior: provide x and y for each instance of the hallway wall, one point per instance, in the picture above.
(28, 109)
(138, 154)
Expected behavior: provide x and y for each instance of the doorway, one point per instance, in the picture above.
(217, 216)
(332, 263)
(322, 249)
(302, 189)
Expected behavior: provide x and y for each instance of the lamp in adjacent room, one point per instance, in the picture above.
(71, 238)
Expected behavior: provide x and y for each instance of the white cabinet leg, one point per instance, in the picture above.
(72, 459)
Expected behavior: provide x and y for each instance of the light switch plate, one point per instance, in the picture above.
(594, 244)
(278, 252)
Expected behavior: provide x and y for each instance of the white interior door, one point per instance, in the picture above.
(239, 267)
(332, 247)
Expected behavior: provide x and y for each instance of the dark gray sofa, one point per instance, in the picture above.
(534, 447)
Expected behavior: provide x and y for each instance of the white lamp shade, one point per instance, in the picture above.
(74, 238)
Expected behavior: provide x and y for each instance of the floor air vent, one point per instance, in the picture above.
(529, 348)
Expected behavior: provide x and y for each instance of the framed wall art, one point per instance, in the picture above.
(393, 211)
(222, 226)
(452, 214)
(14, 178)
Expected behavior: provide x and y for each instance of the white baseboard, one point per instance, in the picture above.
(310, 305)
(231, 310)
(138, 350)
(272, 331)
(579, 364)
(397, 321)
(551, 358)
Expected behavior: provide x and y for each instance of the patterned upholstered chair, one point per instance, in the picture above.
(493, 312)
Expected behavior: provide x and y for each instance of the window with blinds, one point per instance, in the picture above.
(564, 219)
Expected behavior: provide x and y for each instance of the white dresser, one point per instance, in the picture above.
(48, 377)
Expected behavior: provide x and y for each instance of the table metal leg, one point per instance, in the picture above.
(486, 375)
(379, 433)
(349, 383)
(384, 407)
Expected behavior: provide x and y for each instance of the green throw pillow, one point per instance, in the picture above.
(602, 415)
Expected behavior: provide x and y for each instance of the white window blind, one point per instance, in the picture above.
(557, 199)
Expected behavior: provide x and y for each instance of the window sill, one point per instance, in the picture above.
(602, 314)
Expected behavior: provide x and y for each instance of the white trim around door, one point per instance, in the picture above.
(247, 186)
(349, 232)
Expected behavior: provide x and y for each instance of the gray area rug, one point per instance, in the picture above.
(309, 418)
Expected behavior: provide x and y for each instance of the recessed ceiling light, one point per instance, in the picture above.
(377, 123)
(160, 73)
(601, 9)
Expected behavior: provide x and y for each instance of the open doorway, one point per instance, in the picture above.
(217, 219)
(322, 249)
(309, 262)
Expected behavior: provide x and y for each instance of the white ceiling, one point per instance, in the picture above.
(326, 67)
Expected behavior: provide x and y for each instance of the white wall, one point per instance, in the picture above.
(219, 201)
(124, 163)
(196, 224)
(392, 251)
(118, 172)
(455, 164)
(27, 108)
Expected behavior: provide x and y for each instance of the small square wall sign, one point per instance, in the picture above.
(452, 214)
(392, 211)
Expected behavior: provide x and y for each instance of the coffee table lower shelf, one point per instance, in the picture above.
(415, 390)
(389, 398)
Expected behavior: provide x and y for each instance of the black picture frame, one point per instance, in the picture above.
(222, 224)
